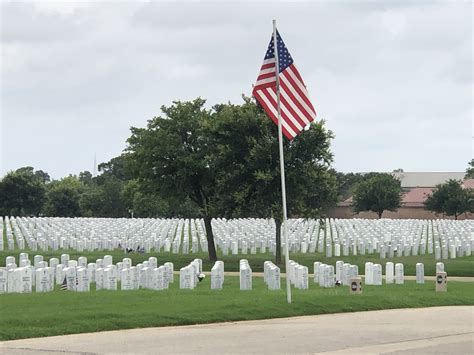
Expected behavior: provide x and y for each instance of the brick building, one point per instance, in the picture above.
(416, 187)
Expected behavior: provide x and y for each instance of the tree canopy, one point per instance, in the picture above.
(450, 199)
(377, 192)
(172, 157)
(248, 170)
(21, 193)
(470, 170)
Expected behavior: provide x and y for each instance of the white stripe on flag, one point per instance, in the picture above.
(302, 88)
(274, 111)
(298, 97)
(293, 106)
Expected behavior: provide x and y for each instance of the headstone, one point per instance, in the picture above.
(135, 277)
(420, 273)
(389, 273)
(399, 275)
(217, 275)
(108, 261)
(245, 275)
(3, 280)
(316, 271)
(170, 271)
(127, 263)
(53, 263)
(82, 261)
(91, 271)
(59, 274)
(110, 278)
(10, 260)
(126, 280)
(83, 281)
(339, 265)
(71, 277)
(187, 277)
(439, 267)
(377, 275)
(26, 279)
(99, 279)
(37, 259)
(369, 273)
(42, 280)
(64, 259)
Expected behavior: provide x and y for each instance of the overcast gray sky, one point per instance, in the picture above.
(392, 79)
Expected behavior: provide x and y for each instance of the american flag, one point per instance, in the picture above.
(64, 284)
(296, 108)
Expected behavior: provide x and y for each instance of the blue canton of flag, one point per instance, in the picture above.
(284, 57)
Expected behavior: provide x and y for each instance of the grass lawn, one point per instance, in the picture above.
(454, 267)
(64, 312)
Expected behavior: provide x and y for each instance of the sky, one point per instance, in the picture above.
(392, 79)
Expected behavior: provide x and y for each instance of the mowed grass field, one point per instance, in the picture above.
(64, 312)
(454, 267)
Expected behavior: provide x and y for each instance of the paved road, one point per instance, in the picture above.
(441, 330)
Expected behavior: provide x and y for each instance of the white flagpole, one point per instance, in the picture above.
(282, 164)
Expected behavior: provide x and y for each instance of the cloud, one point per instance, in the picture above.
(393, 80)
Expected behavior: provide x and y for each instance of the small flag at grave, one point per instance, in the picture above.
(64, 284)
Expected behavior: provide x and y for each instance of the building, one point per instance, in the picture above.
(416, 186)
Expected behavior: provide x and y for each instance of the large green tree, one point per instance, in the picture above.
(245, 144)
(377, 192)
(450, 199)
(172, 157)
(21, 193)
(62, 197)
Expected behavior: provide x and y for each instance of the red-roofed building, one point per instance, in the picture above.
(415, 194)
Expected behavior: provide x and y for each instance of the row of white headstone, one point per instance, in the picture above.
(77, 275)
(170, 235)
(334, 237)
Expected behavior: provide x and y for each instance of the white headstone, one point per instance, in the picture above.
(399, 275)
(420, 273)
(389, 273)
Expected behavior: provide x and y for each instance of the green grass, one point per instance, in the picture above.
(454, 267)
(64, 312)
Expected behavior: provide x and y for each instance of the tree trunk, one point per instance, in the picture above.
(380, 214)
(211, 248)
(455, 216)
(278, 242)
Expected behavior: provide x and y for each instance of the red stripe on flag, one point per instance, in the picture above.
(269, 112)
(284, 117)
(302, 94)
(295, 101)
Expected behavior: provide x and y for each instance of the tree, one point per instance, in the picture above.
(171, 157)
(377, 192)
(346, 184)
(470, 170)
(245, 144)
(451, 199)
(85, 177)
(21, 193)
(62, 198)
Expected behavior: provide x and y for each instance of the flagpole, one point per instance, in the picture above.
(282, 164)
